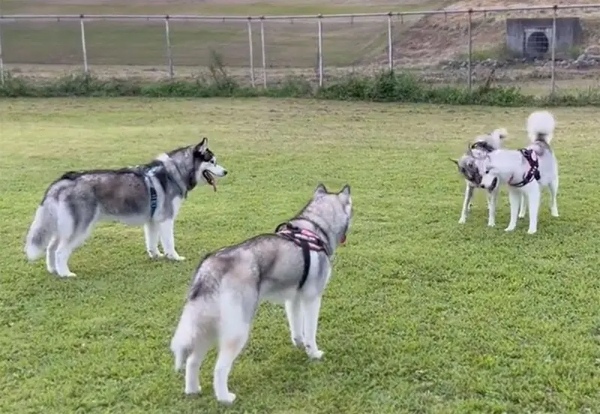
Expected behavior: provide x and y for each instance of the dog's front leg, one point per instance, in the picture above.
(151, 234)
(311, 308)
(167, 239)
(533, 196)
(514, 198)
(466, 204)
(293, 310)
(522, 206)
(492, 199)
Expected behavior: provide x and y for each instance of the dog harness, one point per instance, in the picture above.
(305, 239)
(152, 190)
(533, 173)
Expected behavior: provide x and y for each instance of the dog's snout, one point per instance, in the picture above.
(494, 184)
(224, 173)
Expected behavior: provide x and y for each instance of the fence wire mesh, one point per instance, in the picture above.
(540, 50)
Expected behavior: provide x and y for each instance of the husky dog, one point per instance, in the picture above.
(526, 171)
(481, 147)
(291, 265)
(148, 195)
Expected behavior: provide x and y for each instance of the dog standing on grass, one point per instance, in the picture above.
(526, 171)
(148, 195)
(467, 167)
(292, 265)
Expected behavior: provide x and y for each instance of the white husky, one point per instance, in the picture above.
(526, 171)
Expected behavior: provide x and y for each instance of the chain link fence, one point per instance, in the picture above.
(543, 49)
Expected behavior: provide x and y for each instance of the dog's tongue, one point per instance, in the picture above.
(343, 241)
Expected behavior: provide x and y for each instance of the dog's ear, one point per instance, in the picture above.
(201, 147)
(469, 149)
(454, 161)
(320, 190)
(344, 195)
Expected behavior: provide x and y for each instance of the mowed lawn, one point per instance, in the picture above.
(422, 314)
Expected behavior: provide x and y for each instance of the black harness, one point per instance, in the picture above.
(307, 240)
(533, 173)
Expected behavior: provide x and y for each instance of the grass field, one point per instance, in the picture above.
(422, 314)
(142, 43)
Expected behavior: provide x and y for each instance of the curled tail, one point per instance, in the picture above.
(183, 339)
(540, 127)
(40, 232)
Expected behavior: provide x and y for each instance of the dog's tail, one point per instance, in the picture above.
(540, 127)
(497, 136)
(41, 230)
(183, 339)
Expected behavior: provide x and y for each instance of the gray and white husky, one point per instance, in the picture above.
(291, 266)
(480, 147)
(148, 195)
(526, 171)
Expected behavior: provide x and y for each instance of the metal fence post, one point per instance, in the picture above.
(83, 44)
(470, 74)
(552, 64)
(251, 51)
(1, 57)
(263, 51)
(320, 48)
(390, 48)
(169, 51)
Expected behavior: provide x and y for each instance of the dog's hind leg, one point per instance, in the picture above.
(293, 310)
(51, 255)
(151, 236)
(193, 363)
(533, 196)
(554, 193)
(492, 199)
(236, 310)
(466, 204)
(72, 232)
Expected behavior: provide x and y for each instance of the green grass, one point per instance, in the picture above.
(142, 43)
(422, 314)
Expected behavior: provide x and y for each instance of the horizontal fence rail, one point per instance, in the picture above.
(264, 49)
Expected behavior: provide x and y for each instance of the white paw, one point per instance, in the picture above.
(192, 390)
(531, 231)
(462, 220)
(155, 255)
(491, 224)
(228, 399)
(509, 228)
(521, 215)
(50, 270)
(313, 353)
(554, 213)
(298, 341)
(175, 256)
(68, 274)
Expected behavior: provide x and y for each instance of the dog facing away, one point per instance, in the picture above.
(148, 195)
(291, 266)
(526, 171)
(467, 167)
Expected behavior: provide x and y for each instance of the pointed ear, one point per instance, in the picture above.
(469, 149)
(454, 161)
(202, 146)
(344, 195)
(320, 190)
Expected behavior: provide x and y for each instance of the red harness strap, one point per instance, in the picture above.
(305, 239)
